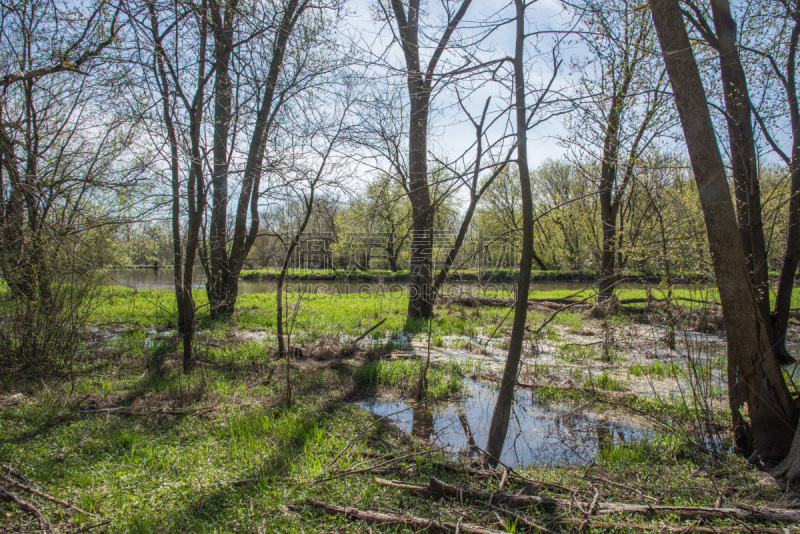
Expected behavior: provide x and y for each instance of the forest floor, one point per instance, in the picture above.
(131, 444)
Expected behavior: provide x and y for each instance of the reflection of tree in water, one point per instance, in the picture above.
(422, 422)
(543, 434)
(604, 437)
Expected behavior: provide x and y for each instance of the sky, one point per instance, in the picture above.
(450, 133)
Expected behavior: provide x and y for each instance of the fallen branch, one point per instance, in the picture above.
(430, 525)
(673, 300)
(365, 334)
(350, 443)
(41, 494)
(473, 301)
(607, 525)
(520, 519)
(13, 472)
(125, 410)
(623, 486)
(28, 507)
(550, 504)
(92, 527)
(373, 468)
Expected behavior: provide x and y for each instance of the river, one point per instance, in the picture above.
(162, 279)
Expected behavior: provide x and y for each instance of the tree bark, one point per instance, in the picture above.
(608, 208)
(502, 409)
(421, 290)
(791, 257)
(218, 282)
(754, 378)
(224, 265)
(421, 297)
(744, 163)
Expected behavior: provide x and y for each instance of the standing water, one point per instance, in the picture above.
(537, 433)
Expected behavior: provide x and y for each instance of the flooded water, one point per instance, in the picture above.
(537, 433)
(162, 279)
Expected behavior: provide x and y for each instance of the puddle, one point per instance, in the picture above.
(537, 434)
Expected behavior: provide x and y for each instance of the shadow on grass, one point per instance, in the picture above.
(200, 472)
(292, 431)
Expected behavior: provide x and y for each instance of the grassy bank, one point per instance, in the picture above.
(338, 313)
(139, 447)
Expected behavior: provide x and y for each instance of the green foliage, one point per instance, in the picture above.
(643, 451)
(658, 369)
(444, 380)
(604, 381)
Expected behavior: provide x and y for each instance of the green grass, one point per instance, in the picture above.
(217, 450)
(402, 375)
(604, 381)
(537, 369)
(339, 274)
(642, 451)
(345, 315)
(658, 369)
(577, 353)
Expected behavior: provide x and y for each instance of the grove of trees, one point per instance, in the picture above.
(216, 136)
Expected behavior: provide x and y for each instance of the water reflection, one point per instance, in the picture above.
(537, 433)
(422, 421)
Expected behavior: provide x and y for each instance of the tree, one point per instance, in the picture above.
(502, 409)
(310, 179)
(754, 378)
(770, 48)
(499, 216)
(179, 79)
(743, 158)
(245, 40)
(64, 174)
(420, 88)
(380, 219)
(49, 163)
(565, 206)
(620, 114)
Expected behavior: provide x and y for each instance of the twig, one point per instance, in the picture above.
(431, 525)
(365, 334)
(623, 486)
(350, 443)
(13, 472)
(92, 527)
(31, 509)
(43, 495)
(521, 519)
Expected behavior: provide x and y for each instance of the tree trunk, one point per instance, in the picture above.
(502, 410)
(421, 290)
(421, 296)
(754, 377)
(791, 257)
(608, 214)
(184, 259)
(791, 465)
(744, 162)
(223, 264)
(217, 284)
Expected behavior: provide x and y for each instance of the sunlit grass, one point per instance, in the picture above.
(443, 380)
